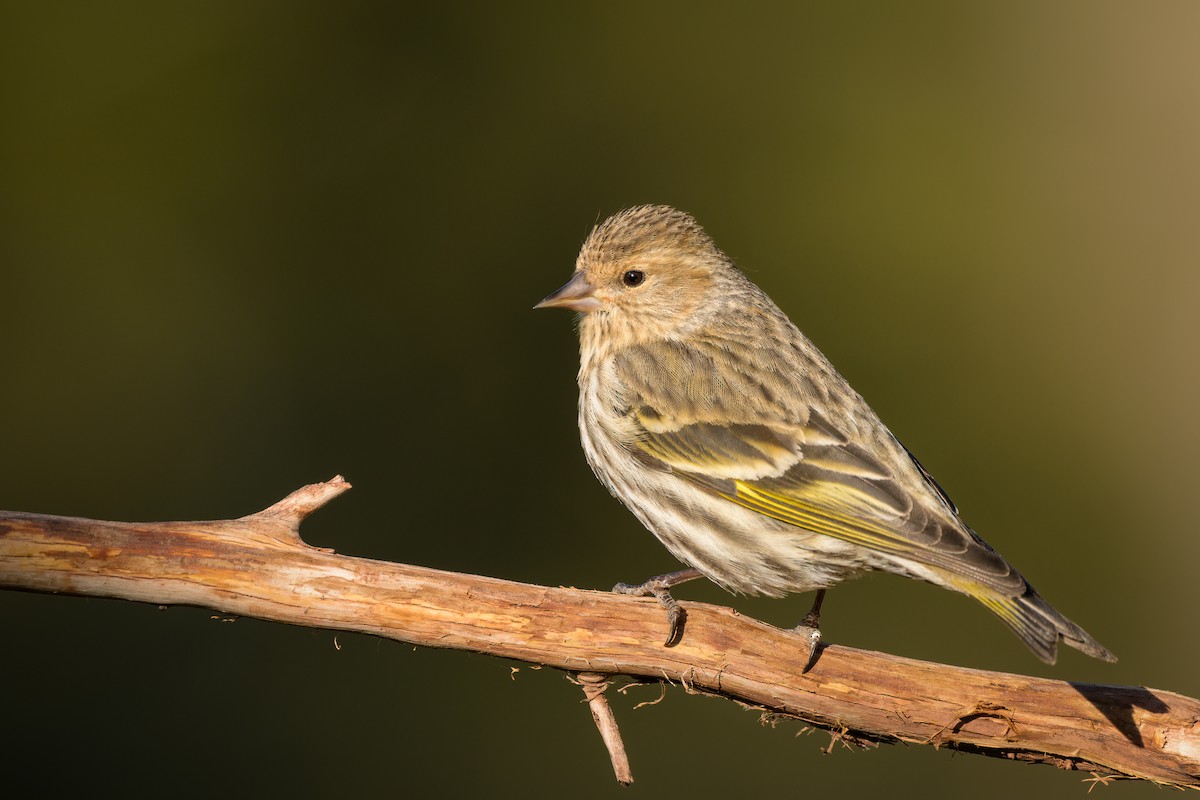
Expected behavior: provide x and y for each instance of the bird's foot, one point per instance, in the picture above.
(659, 587)
(810, 629)
(813, 637)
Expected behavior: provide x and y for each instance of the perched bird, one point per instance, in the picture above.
(736, 443)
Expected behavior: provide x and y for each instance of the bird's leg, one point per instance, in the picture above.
(810, 626)
(660, 588)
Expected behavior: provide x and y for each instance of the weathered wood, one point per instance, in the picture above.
(258, 566)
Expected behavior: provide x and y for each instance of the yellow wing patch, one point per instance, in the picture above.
(722, 451)
(831, 511)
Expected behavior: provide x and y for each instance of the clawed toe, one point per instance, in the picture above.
(810, 629)
(813, 637)
(659, 587)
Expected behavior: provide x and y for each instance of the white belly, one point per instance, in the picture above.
(739, 549)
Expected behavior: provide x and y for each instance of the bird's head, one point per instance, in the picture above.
(644, 273)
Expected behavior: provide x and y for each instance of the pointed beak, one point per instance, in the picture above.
(576, 294)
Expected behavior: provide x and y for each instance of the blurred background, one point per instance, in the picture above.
(247, 246)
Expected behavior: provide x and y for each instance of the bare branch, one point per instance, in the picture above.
(594, 685)
(257, 566)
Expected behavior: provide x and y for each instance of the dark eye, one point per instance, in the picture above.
(634, 277)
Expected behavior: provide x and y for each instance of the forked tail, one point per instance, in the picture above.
(1039, 626)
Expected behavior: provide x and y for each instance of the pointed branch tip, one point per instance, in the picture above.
(298, 505)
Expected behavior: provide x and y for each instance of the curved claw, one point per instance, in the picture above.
(676, 616)
(810, 627)
(814, 645)
(659, 588)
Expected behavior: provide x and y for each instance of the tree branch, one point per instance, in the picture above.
(258, 566)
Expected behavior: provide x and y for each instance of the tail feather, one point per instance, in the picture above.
(1037, 624)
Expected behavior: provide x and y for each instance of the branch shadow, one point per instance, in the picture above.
(1117, 703)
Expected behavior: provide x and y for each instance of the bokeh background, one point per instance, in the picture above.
(246, 246)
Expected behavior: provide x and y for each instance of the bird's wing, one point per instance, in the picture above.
(802, 468)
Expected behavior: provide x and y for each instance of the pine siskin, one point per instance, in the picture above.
(733, 439)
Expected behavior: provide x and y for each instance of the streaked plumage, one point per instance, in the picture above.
(733, 439)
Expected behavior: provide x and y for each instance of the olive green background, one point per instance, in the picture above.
(246, 246)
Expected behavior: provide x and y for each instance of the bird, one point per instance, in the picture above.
(734, 440)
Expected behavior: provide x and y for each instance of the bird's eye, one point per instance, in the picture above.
(634, 277)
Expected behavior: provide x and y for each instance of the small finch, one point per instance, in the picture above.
(732, 438)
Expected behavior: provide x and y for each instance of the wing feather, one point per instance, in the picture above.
(837, 472)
